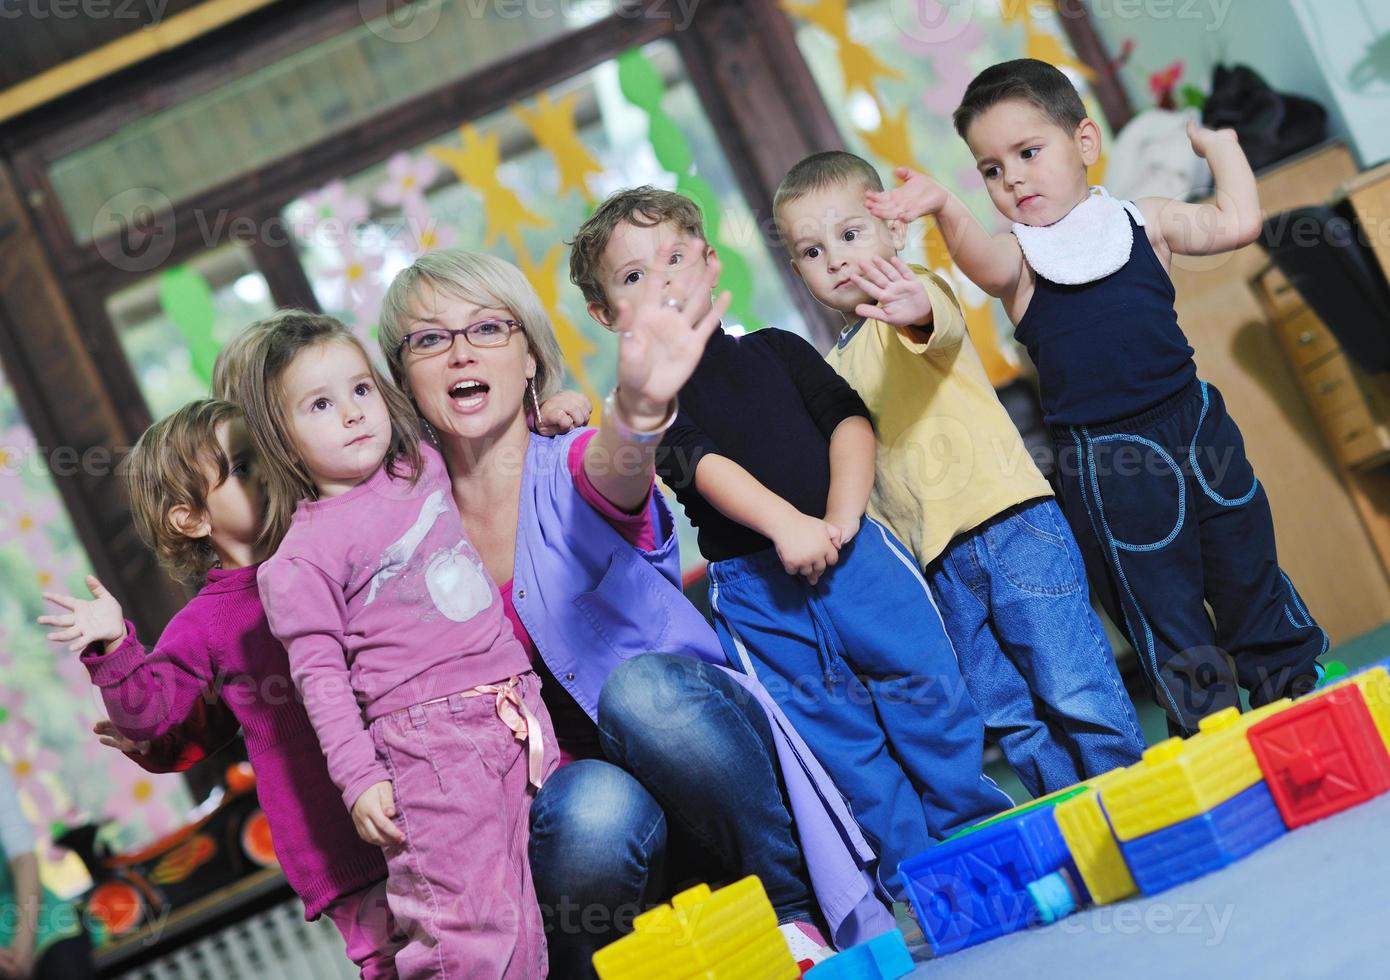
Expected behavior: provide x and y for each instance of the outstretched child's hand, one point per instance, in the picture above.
(901, 299)
(98, 620)
(1205, 140)
(109, 734)
(918, 195)
(562, 412)
(804, 545)
(373, 815)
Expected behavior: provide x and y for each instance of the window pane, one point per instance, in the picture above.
(172, 324)
(47, 702)
(527, 187)
(299, 100)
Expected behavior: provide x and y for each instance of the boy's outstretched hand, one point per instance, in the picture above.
(98, 620)
(901, 299)
(1205, 140)
(563, 411)
(916, 196)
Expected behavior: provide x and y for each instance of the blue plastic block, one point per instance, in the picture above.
(883, 958)
(1189, 849)
(1053, 897)
(974, 888)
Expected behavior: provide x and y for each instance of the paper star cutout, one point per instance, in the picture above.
(552, 126)
(476, 163)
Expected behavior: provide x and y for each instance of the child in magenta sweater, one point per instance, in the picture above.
(196, 499)
(424, 701)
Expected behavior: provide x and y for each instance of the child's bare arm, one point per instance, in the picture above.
(993, 262)
(1231, 220)
(852, 450)
(803, 542)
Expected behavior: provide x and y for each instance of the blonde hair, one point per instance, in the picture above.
(645, 207)
(275, 342)
(230, 367)
(167, 469)
(477, 278)
(830, 168)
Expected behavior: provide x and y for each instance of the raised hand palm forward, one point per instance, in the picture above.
(661, 338)
(87, 621)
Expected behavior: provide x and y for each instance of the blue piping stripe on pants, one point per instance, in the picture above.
(1212, 543)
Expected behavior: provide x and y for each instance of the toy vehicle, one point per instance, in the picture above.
(229, 841)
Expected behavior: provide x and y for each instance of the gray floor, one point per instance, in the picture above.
(1312, 904)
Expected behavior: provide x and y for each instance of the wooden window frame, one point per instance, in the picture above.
(741, 57)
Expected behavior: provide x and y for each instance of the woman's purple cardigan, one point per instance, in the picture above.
(590, 600)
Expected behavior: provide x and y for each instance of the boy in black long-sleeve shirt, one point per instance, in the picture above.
(772, 456)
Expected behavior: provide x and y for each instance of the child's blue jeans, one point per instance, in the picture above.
(1033, 653)
(861, 664)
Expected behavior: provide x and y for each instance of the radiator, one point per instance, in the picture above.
(273, 945)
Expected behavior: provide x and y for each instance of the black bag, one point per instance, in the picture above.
(1322, 252)
(1271, 125)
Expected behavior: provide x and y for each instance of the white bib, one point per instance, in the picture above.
(1091, 242)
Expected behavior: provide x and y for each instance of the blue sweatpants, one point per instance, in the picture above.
(1171, 519)
(861, 664)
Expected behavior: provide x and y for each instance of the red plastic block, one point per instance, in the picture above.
(1321, 756)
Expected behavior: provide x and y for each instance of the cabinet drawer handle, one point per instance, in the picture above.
(1328, 387)
(1306, 337)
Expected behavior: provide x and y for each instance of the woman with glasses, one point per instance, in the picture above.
(674, 769)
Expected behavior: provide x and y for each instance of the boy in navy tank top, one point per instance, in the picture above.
(1152, 471)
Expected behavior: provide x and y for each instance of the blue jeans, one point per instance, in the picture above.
(1033, 653)
(692, 767)
(861, 665)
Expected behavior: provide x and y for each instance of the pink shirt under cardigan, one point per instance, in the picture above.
(383, 603)
(221, 638)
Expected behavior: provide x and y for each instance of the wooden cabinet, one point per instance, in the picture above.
(1351, 407)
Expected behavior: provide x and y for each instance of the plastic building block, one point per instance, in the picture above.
(1177, 779)
(1322, 755)
(1053, 897)
(1243, 824)
(976, 887)
(1374, 683)
(730, 934)
(884, 957)
(1051, 799)
(1084, 827)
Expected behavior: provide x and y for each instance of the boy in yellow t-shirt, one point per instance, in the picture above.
(956, 484)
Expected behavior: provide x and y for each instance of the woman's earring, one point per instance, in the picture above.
(535, 402)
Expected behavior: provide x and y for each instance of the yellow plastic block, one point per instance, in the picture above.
(1093, 847)
(1178, 779)
(730, 934)
(1375, 690)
